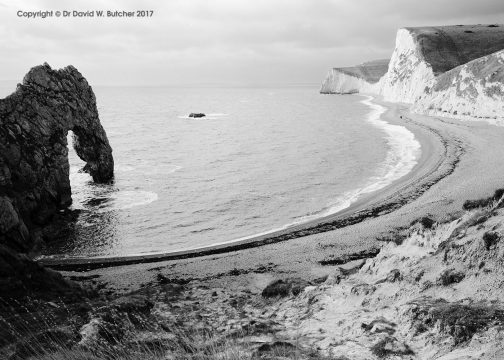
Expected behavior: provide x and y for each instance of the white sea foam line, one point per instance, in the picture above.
(404, 150)
(78, 180)
(120, 200)
(123, 200)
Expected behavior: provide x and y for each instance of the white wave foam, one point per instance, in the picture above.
(404, 150)
(87, 195)
(402, 156)
(78, 177)
(128, 199)
(123, 200)
(79, 180)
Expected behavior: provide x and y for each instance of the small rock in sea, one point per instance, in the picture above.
(196, 115)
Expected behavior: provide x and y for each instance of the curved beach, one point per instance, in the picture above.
(438, 158)
(454, 156)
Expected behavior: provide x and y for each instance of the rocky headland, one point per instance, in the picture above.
(34, 169)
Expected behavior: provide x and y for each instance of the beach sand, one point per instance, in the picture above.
(460, 160)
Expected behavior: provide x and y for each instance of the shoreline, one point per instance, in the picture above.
(475, 172)
(437, 160)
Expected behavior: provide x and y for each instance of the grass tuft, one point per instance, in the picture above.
(484, 202)
(460, 321)
(490, 238)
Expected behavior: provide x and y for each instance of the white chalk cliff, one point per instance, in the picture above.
(362, 78)
(408, 73)
(452, 71)
(472, 90)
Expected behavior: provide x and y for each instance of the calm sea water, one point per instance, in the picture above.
(262, 159)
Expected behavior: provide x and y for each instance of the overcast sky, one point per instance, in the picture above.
(235, 42)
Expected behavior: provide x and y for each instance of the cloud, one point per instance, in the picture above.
(220, 40)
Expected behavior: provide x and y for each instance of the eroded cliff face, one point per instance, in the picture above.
(435, 293)
(362, 78)
(402, 79)
(337, 82)
(472, 90)
(408, 73)
(447, 70)
(34, 168)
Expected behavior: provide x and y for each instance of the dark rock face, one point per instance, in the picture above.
(460, 321)
(19, 277)
(34, 168)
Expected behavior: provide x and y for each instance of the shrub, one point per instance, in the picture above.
(455, 319)
(390, 346)
(427, 222)
(283, 288)
(490, 238)
(450, 276)
(473, 204)
(397, 238)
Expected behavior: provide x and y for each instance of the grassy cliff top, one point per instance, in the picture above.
(370, 71)
(446, 47)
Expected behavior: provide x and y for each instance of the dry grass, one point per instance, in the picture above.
(56, 335)
(460, 321)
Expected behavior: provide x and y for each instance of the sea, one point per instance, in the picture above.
(262, 159)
